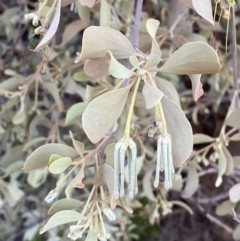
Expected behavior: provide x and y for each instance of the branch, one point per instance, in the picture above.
(137, 22)
(234, 58)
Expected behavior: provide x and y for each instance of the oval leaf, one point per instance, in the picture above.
(202, 138)
(75, 183)
(197, 90)
(180, 130)
(61, 218)
(116, 69)
(225, 208)
(39, 158)
(233, 119)
(193, 58)
(52, 29)
(97, 40)
(75, 111)
(192, 182)
(64, 204)
(60, 165)
(102, 113)
(152, 95)
(155, 54)
(234, 193)
(79, 146)
(204, 9)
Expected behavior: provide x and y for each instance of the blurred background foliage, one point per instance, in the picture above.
(27, 123)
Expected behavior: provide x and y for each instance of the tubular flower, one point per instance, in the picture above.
(109, 213)
(123, 146)
(51, 196)
(164, 160)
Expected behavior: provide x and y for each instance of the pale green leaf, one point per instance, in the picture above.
(116, 69)
(152, 95)
(102, 113)
(61, 218)
(91, 236)
(229, 159)
(222, 166)
(234, 193)
(197, 90)
(52, 29)
(98, 40)
(204, 9)
(155, 54)
(83, 13)
(177, 182)
(64, 204)
(36, 178)
(180, 129)
(75, 111)
(105, 13)
(182, 204)
(235, 137)
(75, 183)
(192, 182)
(79, 146)
(53, 158)
(60, 165)
(233, 119)
(225, 208)
(39, 158)
(202, 138)
(82, 77)
(236, 233)
(193, 58)
(134, 61)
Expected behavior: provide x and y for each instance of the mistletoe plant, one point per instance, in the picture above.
(104, 55)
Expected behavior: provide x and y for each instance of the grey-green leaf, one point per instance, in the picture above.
(75, 111)
(60, 165)
(102, 113)
(64, 204)
(193, 58)
(233, 119)
(39, 158)
(202, 138)
(61, 218)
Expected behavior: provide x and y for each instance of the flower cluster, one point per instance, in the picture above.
(164, 160)
(123, 146)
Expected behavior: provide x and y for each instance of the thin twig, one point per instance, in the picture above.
(215, 220)
(234, 57)
(173, 26)
(137, 21)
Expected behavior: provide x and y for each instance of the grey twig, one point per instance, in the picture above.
(234, 58)
(137, 21)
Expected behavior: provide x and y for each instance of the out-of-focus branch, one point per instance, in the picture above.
(234, 59)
